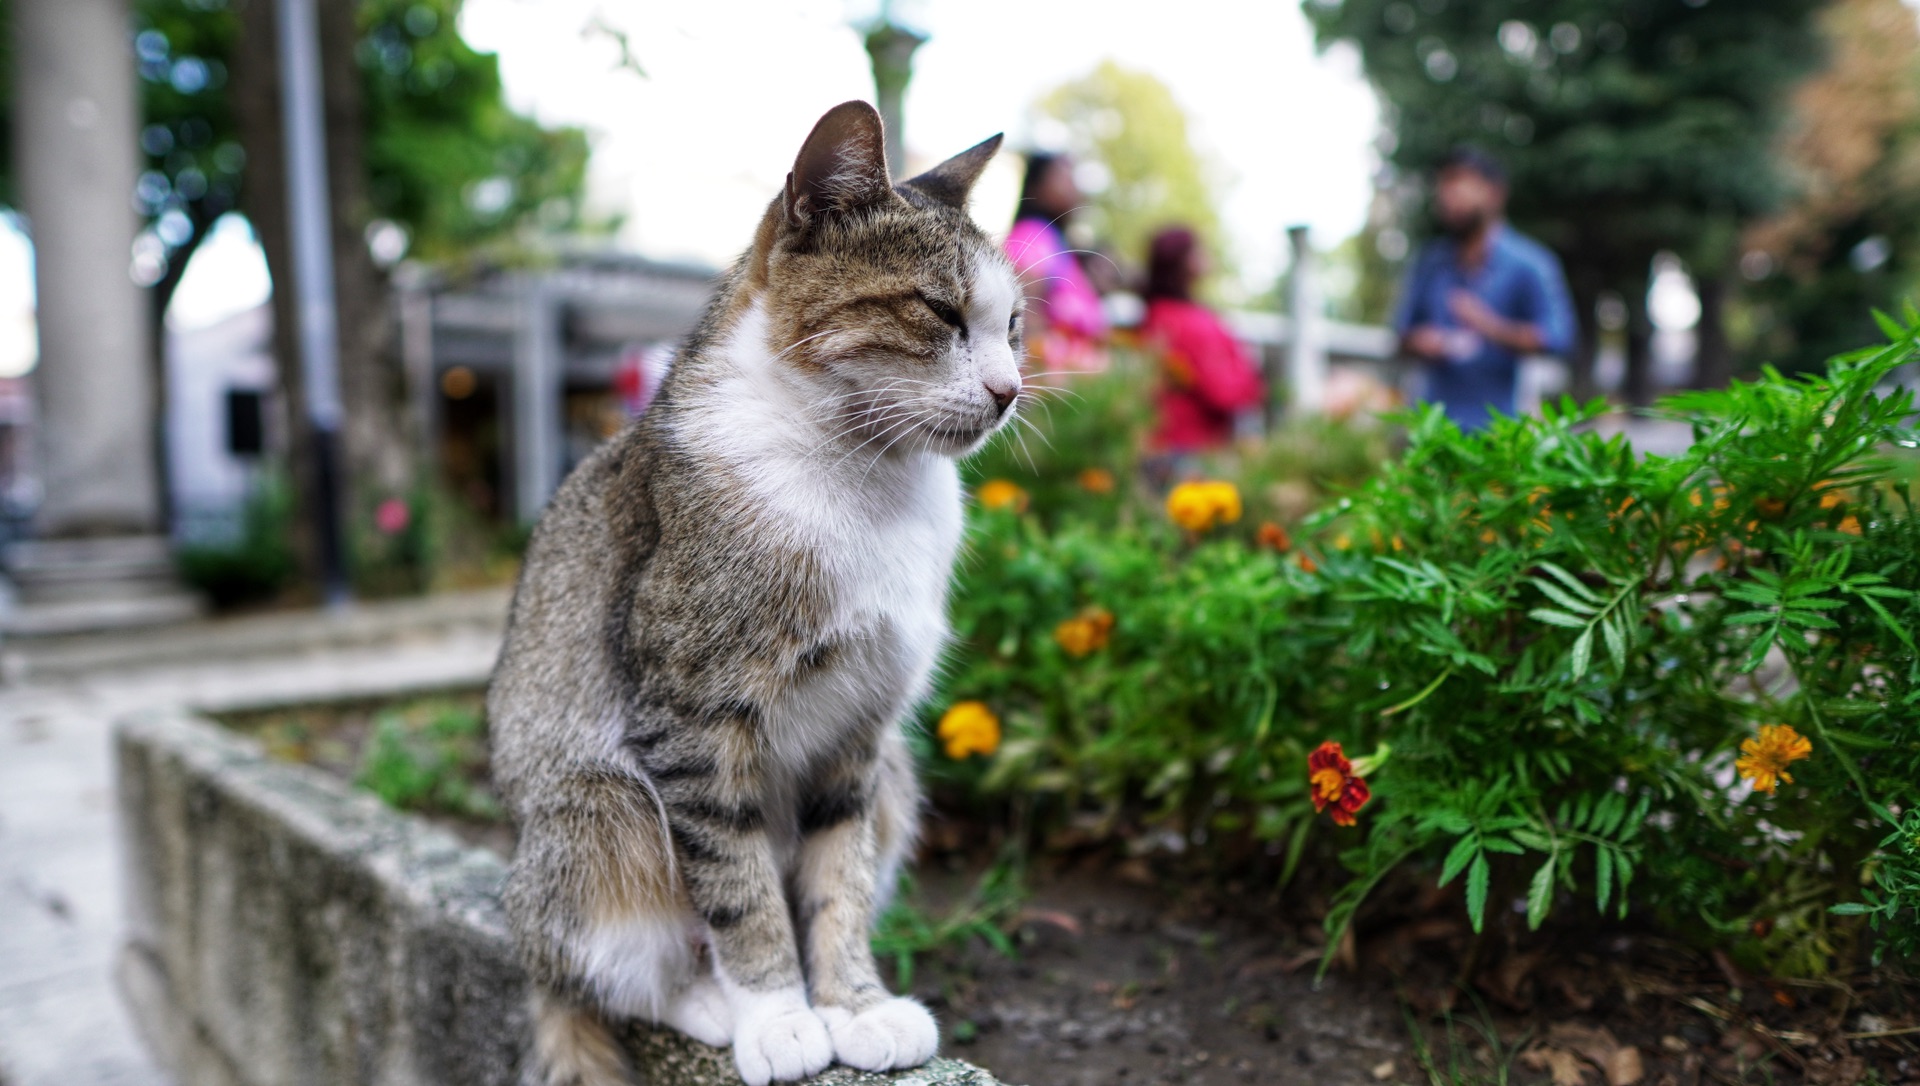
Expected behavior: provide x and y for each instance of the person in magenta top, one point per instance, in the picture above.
(1066, 326)
(1207, 378)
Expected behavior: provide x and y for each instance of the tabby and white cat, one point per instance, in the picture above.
(723, 618)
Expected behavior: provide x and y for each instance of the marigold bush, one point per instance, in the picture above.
(1685, 686)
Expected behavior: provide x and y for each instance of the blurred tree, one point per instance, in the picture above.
(1126, 125)
(424, 157)
(1850, 240)
(1629, 126)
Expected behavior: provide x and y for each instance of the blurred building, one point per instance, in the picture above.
(522, 373)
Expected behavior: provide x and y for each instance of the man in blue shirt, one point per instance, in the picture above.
(1480, 297)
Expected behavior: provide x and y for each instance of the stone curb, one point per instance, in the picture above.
(286, 929)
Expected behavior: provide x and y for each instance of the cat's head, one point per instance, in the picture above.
(898, 317)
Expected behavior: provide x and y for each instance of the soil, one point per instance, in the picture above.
(1139, 970)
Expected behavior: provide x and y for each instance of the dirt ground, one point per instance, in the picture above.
(1130, 972)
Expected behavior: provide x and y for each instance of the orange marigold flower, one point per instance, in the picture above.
(1096, 481)
(1335, 785)
(1198, 507)
(1850, 525)
(1274, 538)
(1764, 758)
(1086, 632)
(1001, 494)
(969, 727)
(1307, 564)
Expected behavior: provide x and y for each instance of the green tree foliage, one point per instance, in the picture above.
(1849, 241)
(1629, 126)
(445, 157)
(1128, 122)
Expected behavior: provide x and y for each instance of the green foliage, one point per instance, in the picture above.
(1891, 903)
(446, 157)
(1129, 122)
(1553, 646)
(259, 563)
(905, 931)
(429, 756)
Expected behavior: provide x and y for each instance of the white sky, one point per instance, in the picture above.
(691, 154)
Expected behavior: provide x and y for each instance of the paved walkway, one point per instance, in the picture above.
(61, 1021)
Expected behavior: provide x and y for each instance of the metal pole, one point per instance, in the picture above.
(303, 113)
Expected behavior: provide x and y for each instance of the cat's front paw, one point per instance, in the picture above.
(779, 1038)
(884, 1037)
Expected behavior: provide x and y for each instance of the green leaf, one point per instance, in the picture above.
(1602, 877)
(1534, 839)
(1582, 653)
(1501, 844)
(1564, 598)
(1616, 640)
(1557, 618)
(1888, 325)
(1463, 850)
(1574, 584)
(1478, 875)
(1540, 895)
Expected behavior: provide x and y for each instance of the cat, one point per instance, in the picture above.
(724, 616)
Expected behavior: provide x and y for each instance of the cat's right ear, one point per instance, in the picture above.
(842, 167)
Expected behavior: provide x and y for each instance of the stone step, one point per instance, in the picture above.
(82, 616)
(55, 562)
(79, 586)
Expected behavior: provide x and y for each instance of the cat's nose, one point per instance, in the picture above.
(1003, 395)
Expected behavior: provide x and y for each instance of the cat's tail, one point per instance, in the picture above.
(572, 1046)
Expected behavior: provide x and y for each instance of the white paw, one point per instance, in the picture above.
(780, 1039)
(700, 1011)
(885, 1037)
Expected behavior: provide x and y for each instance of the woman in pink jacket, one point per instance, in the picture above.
(1207, 378)
(1066, 326)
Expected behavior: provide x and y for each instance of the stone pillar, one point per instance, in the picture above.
(76, 132)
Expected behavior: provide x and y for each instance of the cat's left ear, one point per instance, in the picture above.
(952, 180)
(842, 166)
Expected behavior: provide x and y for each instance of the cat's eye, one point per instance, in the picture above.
(1013, 322)
(947, 313)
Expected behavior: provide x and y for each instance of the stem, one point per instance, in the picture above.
(1422, 695)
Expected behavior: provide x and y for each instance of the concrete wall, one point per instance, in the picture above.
(286, 930)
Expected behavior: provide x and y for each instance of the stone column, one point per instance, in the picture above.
(76, 132)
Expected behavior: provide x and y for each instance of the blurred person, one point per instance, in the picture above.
(1480, 296)
(1065, 323)
(1208, 381)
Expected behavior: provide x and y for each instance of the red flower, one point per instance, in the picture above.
(1334, 783)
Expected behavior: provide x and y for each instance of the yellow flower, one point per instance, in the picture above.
(1200, 506)
(969, 727)
(1086, 632)
(1096, 481)
(1001, 494)
(1764, 760)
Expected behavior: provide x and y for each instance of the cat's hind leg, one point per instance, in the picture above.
(599, 921)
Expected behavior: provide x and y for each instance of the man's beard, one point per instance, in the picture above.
(1465, 226)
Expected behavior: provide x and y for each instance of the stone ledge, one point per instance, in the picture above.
(287, 929)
